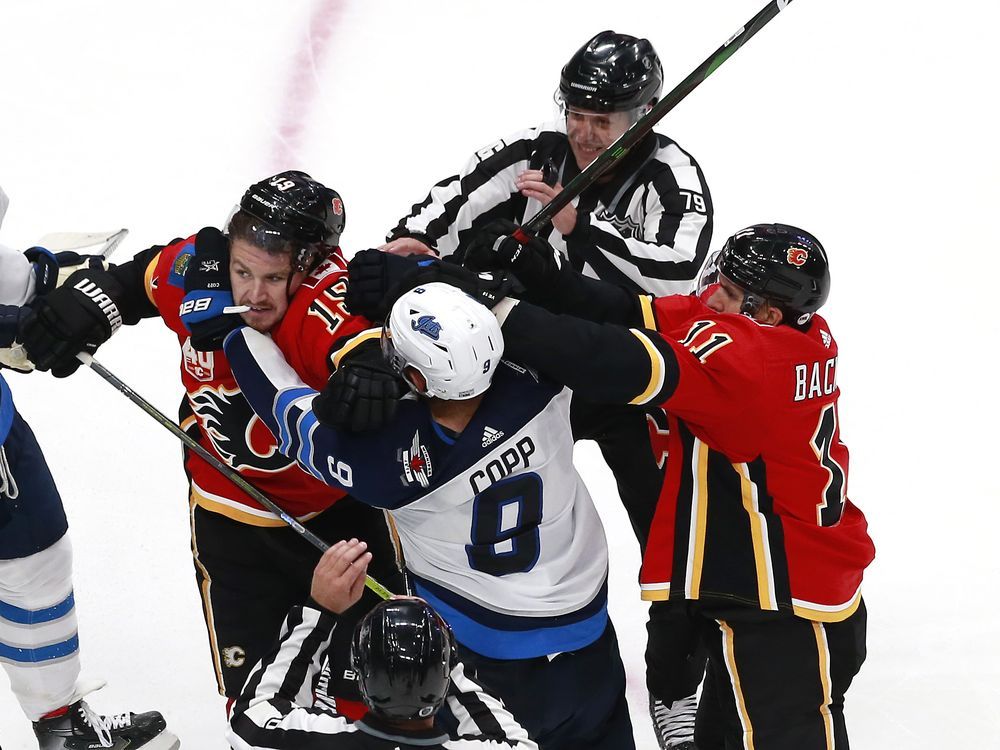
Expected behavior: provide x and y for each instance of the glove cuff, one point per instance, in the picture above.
(45, 266)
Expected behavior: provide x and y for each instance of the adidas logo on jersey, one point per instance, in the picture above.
(490, 436)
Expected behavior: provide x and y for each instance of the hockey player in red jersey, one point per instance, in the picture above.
(754, 535)
(289, 273)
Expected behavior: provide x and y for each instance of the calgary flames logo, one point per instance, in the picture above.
(237, 434)
(798, 256)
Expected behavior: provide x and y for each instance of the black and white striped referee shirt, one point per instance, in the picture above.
(276, 711)
(648, 227)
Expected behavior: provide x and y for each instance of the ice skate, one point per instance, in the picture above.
(81, 728)
(674, 724)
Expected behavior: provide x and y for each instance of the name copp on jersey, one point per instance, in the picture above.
(762, 517)
(314, 323)
(497, 528)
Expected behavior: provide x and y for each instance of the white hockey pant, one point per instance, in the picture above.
(39, 646)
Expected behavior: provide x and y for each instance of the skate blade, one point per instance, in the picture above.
(163, 741)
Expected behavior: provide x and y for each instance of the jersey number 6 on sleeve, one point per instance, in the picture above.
(505, 518)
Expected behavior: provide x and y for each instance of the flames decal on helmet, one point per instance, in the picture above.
(798, 256)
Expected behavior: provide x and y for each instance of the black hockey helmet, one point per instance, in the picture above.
(403, 654)
(775, 263)
(299, 210)
(611, 73)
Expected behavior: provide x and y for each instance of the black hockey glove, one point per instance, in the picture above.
(76, 317)
(371, 274)
(46, 267)
(207, 309)
(533, 262)
(362, 394)
(487, 287)
(379, 281)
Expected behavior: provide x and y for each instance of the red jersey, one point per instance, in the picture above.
(754, 506)
(312, 328)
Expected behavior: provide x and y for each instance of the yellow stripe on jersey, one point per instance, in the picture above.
(657, 369)
(699, 519)
(206, 600)
(237, 511)
(728, 652)
(654, 592)
(648, 317)
(353, 343)
(147, 278)
(758, 534)
(820, 613)
(397, 544)
(823, 650)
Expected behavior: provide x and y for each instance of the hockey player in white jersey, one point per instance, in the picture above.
(39, 645)
(498, 531)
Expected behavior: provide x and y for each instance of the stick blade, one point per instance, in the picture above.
(104, 243)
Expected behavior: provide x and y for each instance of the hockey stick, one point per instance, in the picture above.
(617, 150)
(216, 464)
(109, 241)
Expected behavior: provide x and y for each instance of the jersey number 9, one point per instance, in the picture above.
(505, 519)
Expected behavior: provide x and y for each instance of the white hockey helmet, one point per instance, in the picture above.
(452, 340)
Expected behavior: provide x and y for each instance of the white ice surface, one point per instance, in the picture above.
(869, 123)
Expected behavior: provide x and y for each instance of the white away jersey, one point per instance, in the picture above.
(497, 528)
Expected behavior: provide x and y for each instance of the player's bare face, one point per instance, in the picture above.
(260, 281)
(727, 297)
(590, 133)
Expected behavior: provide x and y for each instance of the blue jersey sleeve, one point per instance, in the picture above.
(6, 410)
(358, 463)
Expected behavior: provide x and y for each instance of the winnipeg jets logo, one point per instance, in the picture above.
(627, 226)
(416, 462)
(237, 434)
(426, 325)
(490, 436)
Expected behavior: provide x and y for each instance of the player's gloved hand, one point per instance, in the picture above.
(45, 265)
(362, 394)
(535, 262)
(53, 269)
(208, 310)
(487, 287)
(76, 317)
(371, 274)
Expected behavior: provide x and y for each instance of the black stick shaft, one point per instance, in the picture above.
(227, 471)
(617, 150)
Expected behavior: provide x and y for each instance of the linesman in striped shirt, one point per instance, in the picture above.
(646, 225)
(404, 655)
